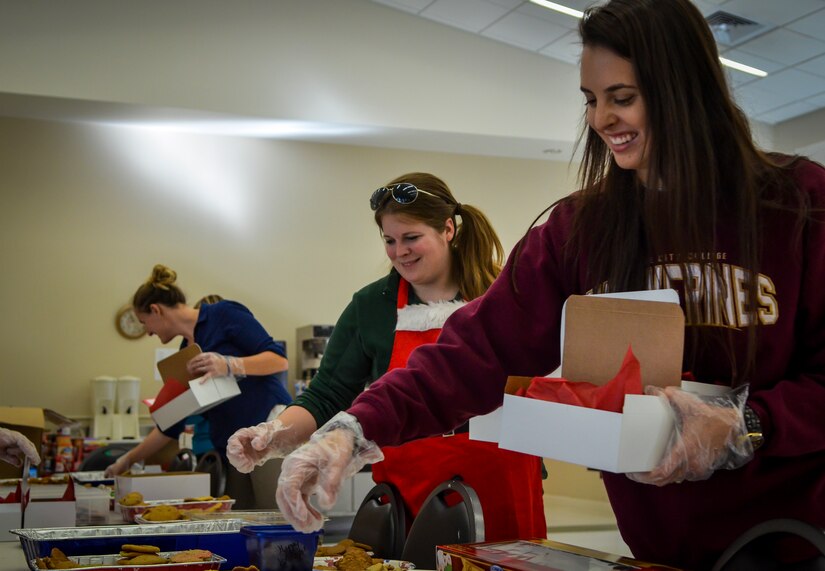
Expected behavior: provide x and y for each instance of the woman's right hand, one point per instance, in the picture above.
(120, 465)
(253, 446)
(335, 451)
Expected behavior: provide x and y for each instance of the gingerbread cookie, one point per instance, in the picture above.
(191, 556)
(138, 549)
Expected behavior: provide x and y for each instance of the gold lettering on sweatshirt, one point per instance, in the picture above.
(715, 294)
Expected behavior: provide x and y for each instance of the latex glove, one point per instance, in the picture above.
(14, 446)
(119, 466)
(210, 365)
(335, 451)
(253, 446)
(710, 435)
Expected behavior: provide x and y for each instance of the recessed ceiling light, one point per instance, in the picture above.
(578, 14)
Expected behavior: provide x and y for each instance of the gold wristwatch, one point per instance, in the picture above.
(754, 427)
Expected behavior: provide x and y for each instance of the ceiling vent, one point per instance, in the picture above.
(730, 29)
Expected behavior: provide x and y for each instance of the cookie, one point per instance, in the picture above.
(162, 513)
(139, 549)
(191, 556)
(131, 499)
(147, 559)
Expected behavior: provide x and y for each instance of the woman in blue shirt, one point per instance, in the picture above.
(233, 343)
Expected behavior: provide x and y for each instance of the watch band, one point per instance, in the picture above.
(754, 427)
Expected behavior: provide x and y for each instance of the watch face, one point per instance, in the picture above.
(128, 324)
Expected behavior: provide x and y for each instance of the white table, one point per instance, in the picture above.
(12, 557)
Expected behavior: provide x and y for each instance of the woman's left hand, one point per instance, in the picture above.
(210, 365)
(709, 435)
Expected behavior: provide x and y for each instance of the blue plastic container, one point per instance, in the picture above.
(280, 547)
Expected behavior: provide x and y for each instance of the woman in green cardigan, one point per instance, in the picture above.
(443, 254)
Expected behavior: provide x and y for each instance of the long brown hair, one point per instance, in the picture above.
(476, 251)
(702, 159)
(159, 288)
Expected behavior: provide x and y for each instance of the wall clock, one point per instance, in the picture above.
(127, 323)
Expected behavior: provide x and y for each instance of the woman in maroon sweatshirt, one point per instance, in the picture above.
(675, 194)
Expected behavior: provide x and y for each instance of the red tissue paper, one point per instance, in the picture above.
(609, 397)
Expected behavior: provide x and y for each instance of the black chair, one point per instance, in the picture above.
(756, 549)
(450, 514)
(212, 463)
(101, 458)
(381, 522)
(184, 461)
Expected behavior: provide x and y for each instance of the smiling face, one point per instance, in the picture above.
(615, 109)
(156, 323)
(417, 251)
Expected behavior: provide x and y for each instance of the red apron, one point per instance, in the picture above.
(508, 483)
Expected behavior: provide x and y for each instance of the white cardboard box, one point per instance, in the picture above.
(11, 517)
(51, 506)
(631, 441)
(198, 399)
(182, 395)
(165, 486)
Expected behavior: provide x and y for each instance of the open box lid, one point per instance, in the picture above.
(598, 329)
(173, 367)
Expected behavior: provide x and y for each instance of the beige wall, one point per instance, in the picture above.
(283, 227)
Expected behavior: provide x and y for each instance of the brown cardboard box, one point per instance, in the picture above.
(599, 329)
(30, 422)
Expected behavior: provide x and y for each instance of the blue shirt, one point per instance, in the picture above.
(229, 328)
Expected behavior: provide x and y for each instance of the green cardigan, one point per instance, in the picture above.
(358, 351)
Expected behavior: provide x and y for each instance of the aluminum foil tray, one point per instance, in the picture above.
(95, 478)
(220, 536)
(254, 517)
(109, 563)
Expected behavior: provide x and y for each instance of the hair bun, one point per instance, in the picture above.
(162, 277)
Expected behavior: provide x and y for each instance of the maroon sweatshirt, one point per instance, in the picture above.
(687, 525)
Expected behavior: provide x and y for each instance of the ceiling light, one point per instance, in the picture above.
(742, 67)
(559, 8)
(578, 14)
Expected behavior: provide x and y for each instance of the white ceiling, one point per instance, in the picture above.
(790, 45)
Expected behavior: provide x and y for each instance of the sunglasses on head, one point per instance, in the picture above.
(402, 193)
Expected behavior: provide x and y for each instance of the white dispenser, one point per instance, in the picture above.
(127, 423)
(103, 406)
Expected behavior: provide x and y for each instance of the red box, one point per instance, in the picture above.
(533, 555)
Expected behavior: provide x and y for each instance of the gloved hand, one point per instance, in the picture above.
(210, 365)
(14, 446)
(119, 466)
(335, 451)
(253, 446)
(710, 435)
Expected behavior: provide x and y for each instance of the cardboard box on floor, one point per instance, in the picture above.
(183, 394)
(31, 423)
(596, 333)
